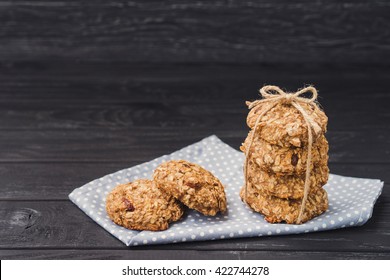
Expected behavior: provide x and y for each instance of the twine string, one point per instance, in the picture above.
(273, 95)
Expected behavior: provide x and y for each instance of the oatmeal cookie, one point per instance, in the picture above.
(278, 210)
(141, 205)
(286, 186)
(283, 160)
(284, 125)
(194, 186)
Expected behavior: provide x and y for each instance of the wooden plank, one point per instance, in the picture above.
(239, 31)
(141, 144)
(120, 83)
(55, 180)
(61, 225)
(134, 254)
(129, 115)
(40, 223)
(51, 181)
(88, 96)
(358, 114)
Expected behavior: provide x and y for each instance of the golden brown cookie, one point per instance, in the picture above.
(141, 205)
(284, 160)
(278, 210)
(284, 125)
(286, 186)
(191, 184)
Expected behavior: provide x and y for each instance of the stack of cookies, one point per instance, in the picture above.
(154, 204)
(277, 162)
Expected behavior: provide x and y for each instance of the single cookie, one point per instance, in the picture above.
(191, 184)
(278, 210)
(141, 205)
(286, 186)
(284, 125)
(283, 160)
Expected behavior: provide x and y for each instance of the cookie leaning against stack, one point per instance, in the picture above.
(153, 204)
(193, 185)
(286, 152)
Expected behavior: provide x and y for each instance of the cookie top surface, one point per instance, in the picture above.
(285, 126)
(193, 185)
(141, 205)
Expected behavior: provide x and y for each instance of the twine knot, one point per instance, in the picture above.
(289, 97)
(273, 95)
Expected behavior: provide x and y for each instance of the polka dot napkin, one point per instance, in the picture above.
(351, 201)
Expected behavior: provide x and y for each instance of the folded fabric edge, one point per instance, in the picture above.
(381, 183)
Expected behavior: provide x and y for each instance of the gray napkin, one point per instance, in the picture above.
(351, 201)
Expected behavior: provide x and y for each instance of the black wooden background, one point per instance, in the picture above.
(88, 88)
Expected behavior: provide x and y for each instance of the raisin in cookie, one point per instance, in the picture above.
(141, 205)
(196, 187)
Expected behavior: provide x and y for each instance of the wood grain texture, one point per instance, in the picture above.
(128, 115)
(135, 254)
(183, 31)
(51, 181)
(112, 83)
(64, 96)
(59, 224)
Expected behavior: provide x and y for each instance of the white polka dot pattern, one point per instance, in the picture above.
(351, 201)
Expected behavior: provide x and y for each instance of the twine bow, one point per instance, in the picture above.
(273, 96)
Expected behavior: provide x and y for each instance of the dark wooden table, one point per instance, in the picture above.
(86, 90)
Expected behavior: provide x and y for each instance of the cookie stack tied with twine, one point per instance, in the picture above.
(286, 156)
